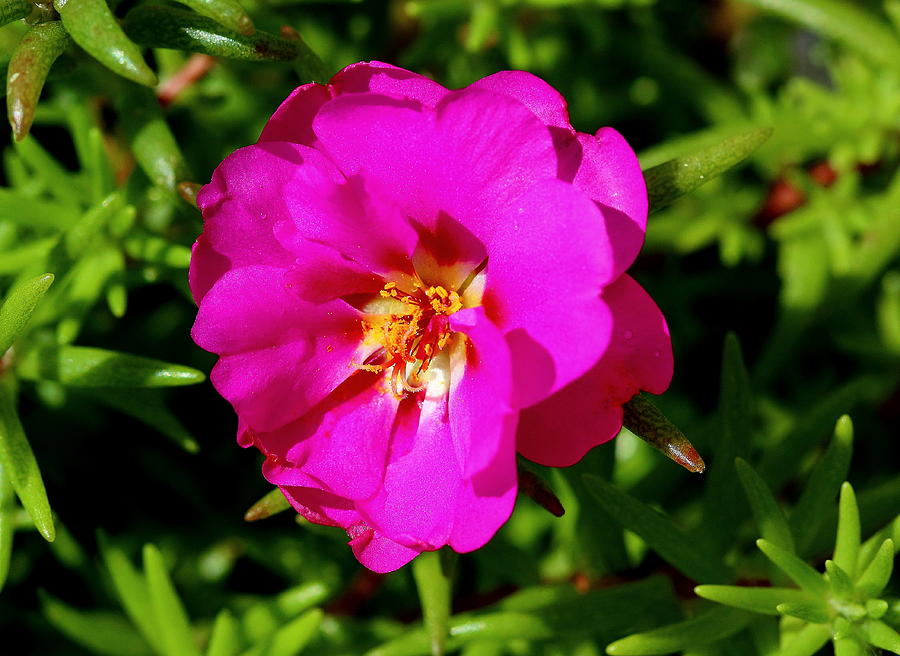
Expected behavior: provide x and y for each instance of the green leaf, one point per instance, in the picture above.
(843, 22)
(100, 632)
(56, 180)
(712, 625)
(84, 366)
(36, 213)
(167, 27)
(227, 12)
(296, 634)
(171, 618)
(658, 531)
(871, 546)
(17, 458)
(93, 26)
(18, 307)
(848, 646)
(434, 584)
(839, 580)
(149, 407)
(670, 180)
(758, 600)
(643, 419)
(133, 592)
(11, 10)
(271, 503)
(154, 146)
(801, 573)
(846, 548)
(817, 500)
(723, 500)
(880, 635)
(7, 523)
(158, 251)
(224, 639)
(770, 519)
(808, 641)
(27, 71)
(875, 577)
(815, 612)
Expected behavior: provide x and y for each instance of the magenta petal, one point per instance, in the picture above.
(558, 431)
(477, 154)
(548, 258)
(243, 203)
(377, 552)
(543, 100)
(292, 121)
(323, 274)
(385, 79)
(342, 443)
(605, 167)
(280, 354)
(353, 219)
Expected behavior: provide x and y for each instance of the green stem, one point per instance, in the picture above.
(433, 574)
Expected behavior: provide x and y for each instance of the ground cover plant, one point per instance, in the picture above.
(768, 133)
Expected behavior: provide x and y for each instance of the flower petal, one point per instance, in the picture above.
(280, 354)
(543, 100)
(470, 158)
(292, 121)
(353, 219)
(605, 167)
(558, 431)
(548, 258)
(341, 444)
(243, 203)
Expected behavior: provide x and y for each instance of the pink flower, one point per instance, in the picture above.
(408, 284)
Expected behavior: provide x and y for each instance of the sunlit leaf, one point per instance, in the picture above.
(814, 611)
(171, 618)
(18, 307)
(876, 576)
(758, 600)
(712, 625)
(801, 573)
(270, 504)
(846, 548)
(17, 458)
(93, 27)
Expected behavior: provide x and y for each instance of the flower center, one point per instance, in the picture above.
(413, 335)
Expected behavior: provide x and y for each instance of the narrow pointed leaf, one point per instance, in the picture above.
(808, 641)
(880, 635)
(724, 501)
(817, 500)
(154, 146)
(170, 615)
(710, 626)
(770, 519)
(876, 576)
(36, 213)
(132, 590)
(870, 547)
(224, 639)
(27, 71)
(55, 179)
(876, 608)
(168, 27)
(7, 523)
(814, 612)
(532, 485)
(149, 407)
(11, 10)
(839, 580)
(272, 503)
(846, 548)
(434, 584)
(17, 458)
(801, 573)
(84, 366)
(842, 21)
(93, 26)
(643, 419)
(99, 632)
(688, 556)
(296, 634)
(758, 600)
(670, 180)
(227, 12)
(18, 307)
